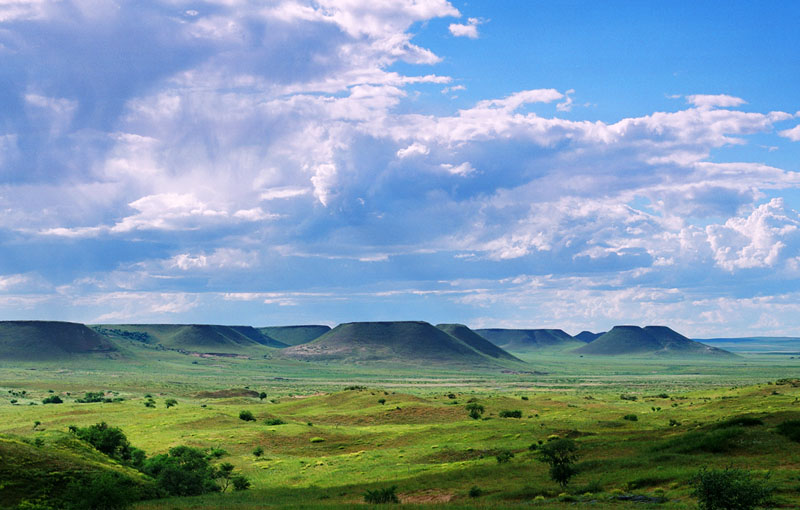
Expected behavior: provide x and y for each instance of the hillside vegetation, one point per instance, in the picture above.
(49, 340)
(650, 340)
(295, 335)
(525, 340)
(193, 337)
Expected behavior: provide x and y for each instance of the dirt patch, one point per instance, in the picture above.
(426, 496)
(233, 392)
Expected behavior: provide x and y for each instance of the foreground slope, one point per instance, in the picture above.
(395, 342)
(193, 337)
(477, 342)
(48, 340)
(650, 340)
(524, 340)
(295, 335)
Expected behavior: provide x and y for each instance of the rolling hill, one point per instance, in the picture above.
(650, 340)
(295, 335)
(193, 337)
(48, 340)
(476, 341)
(588, 336)
(525, 340)
(396, 342)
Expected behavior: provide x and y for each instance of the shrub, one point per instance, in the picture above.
(170, 402)
(258, 451)
(560, 454)
(262, 395)
(730, 489)
(246, 416)
(91, 397)
(378, 496)
(511, 414)
(240, 483)
(504, 456)
(790, 429)
(317, 439)
(381, 401)
(475, 410)
(52, 399)
(475, 492)
(274, 421)
(632, 398)
(108, 440)
(630, 417)
(149, 403)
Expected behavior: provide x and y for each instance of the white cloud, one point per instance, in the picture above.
(710, 101)
(470, 29)
(221, 258)
(415, 149)
(284, 192)
(792, 134)
(462, 170)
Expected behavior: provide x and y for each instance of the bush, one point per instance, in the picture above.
(185, 471)
(475, 492)
(511, 414)
(475, 410)
(730, 489)
(91, 397)
(385, 495)
(632, 398)
(274, 421)
(240, 483)
(170, 402)
(504, 456)
(108, 440)
(630, 417)
(52, 399)
(262, 395)
(246, 416)
(381, 401)
(258, 451)
(790, 429)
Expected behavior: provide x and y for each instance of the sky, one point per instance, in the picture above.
(570, 164)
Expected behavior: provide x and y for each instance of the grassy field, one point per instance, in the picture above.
(408, 427)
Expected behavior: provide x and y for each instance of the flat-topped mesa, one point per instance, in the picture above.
(650, 340)
(295, 335)
(525, 340)
(396, 342)
(49, 340)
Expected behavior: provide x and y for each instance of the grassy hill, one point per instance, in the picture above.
(650, 340)
(476, 341)
(756, 344)
(396, 342)
(193, 337)
(523, 340)
(295, 335)
(588, 336)
(58, 469)
(48, 340)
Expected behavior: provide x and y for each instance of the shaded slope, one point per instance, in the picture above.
(295, 335)
(588, 336)
(53, 471)
(194, 337)
(477, 342)
(45, 340)
(521, 340)
(396, 342)
(651, 340)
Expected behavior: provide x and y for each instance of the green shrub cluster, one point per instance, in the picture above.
(379, 496)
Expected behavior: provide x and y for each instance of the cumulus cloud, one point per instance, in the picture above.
(792, 134)
(712, 100)
(470, 29)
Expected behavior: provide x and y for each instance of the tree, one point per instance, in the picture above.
(258, 451)
(240, 483)
(560, 454)
(262, 395)
(170, 402)
(730, 489)
(108, 440)
(475, 410)
(52, 399)
(224, 474)
(246, 416)
(185, 471)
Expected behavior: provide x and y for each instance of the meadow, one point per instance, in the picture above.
(330, 432)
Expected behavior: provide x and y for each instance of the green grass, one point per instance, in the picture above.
(421, 439)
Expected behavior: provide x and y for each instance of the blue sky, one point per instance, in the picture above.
(509, 164)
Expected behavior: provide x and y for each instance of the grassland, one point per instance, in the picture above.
(337, 443)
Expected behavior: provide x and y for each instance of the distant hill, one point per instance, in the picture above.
(193, 337)
(588, 336)
(523, 340)
(756, 344)
(650, 340)
(396, 342)
(477, 342)
(295, 335)
(49, 340)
